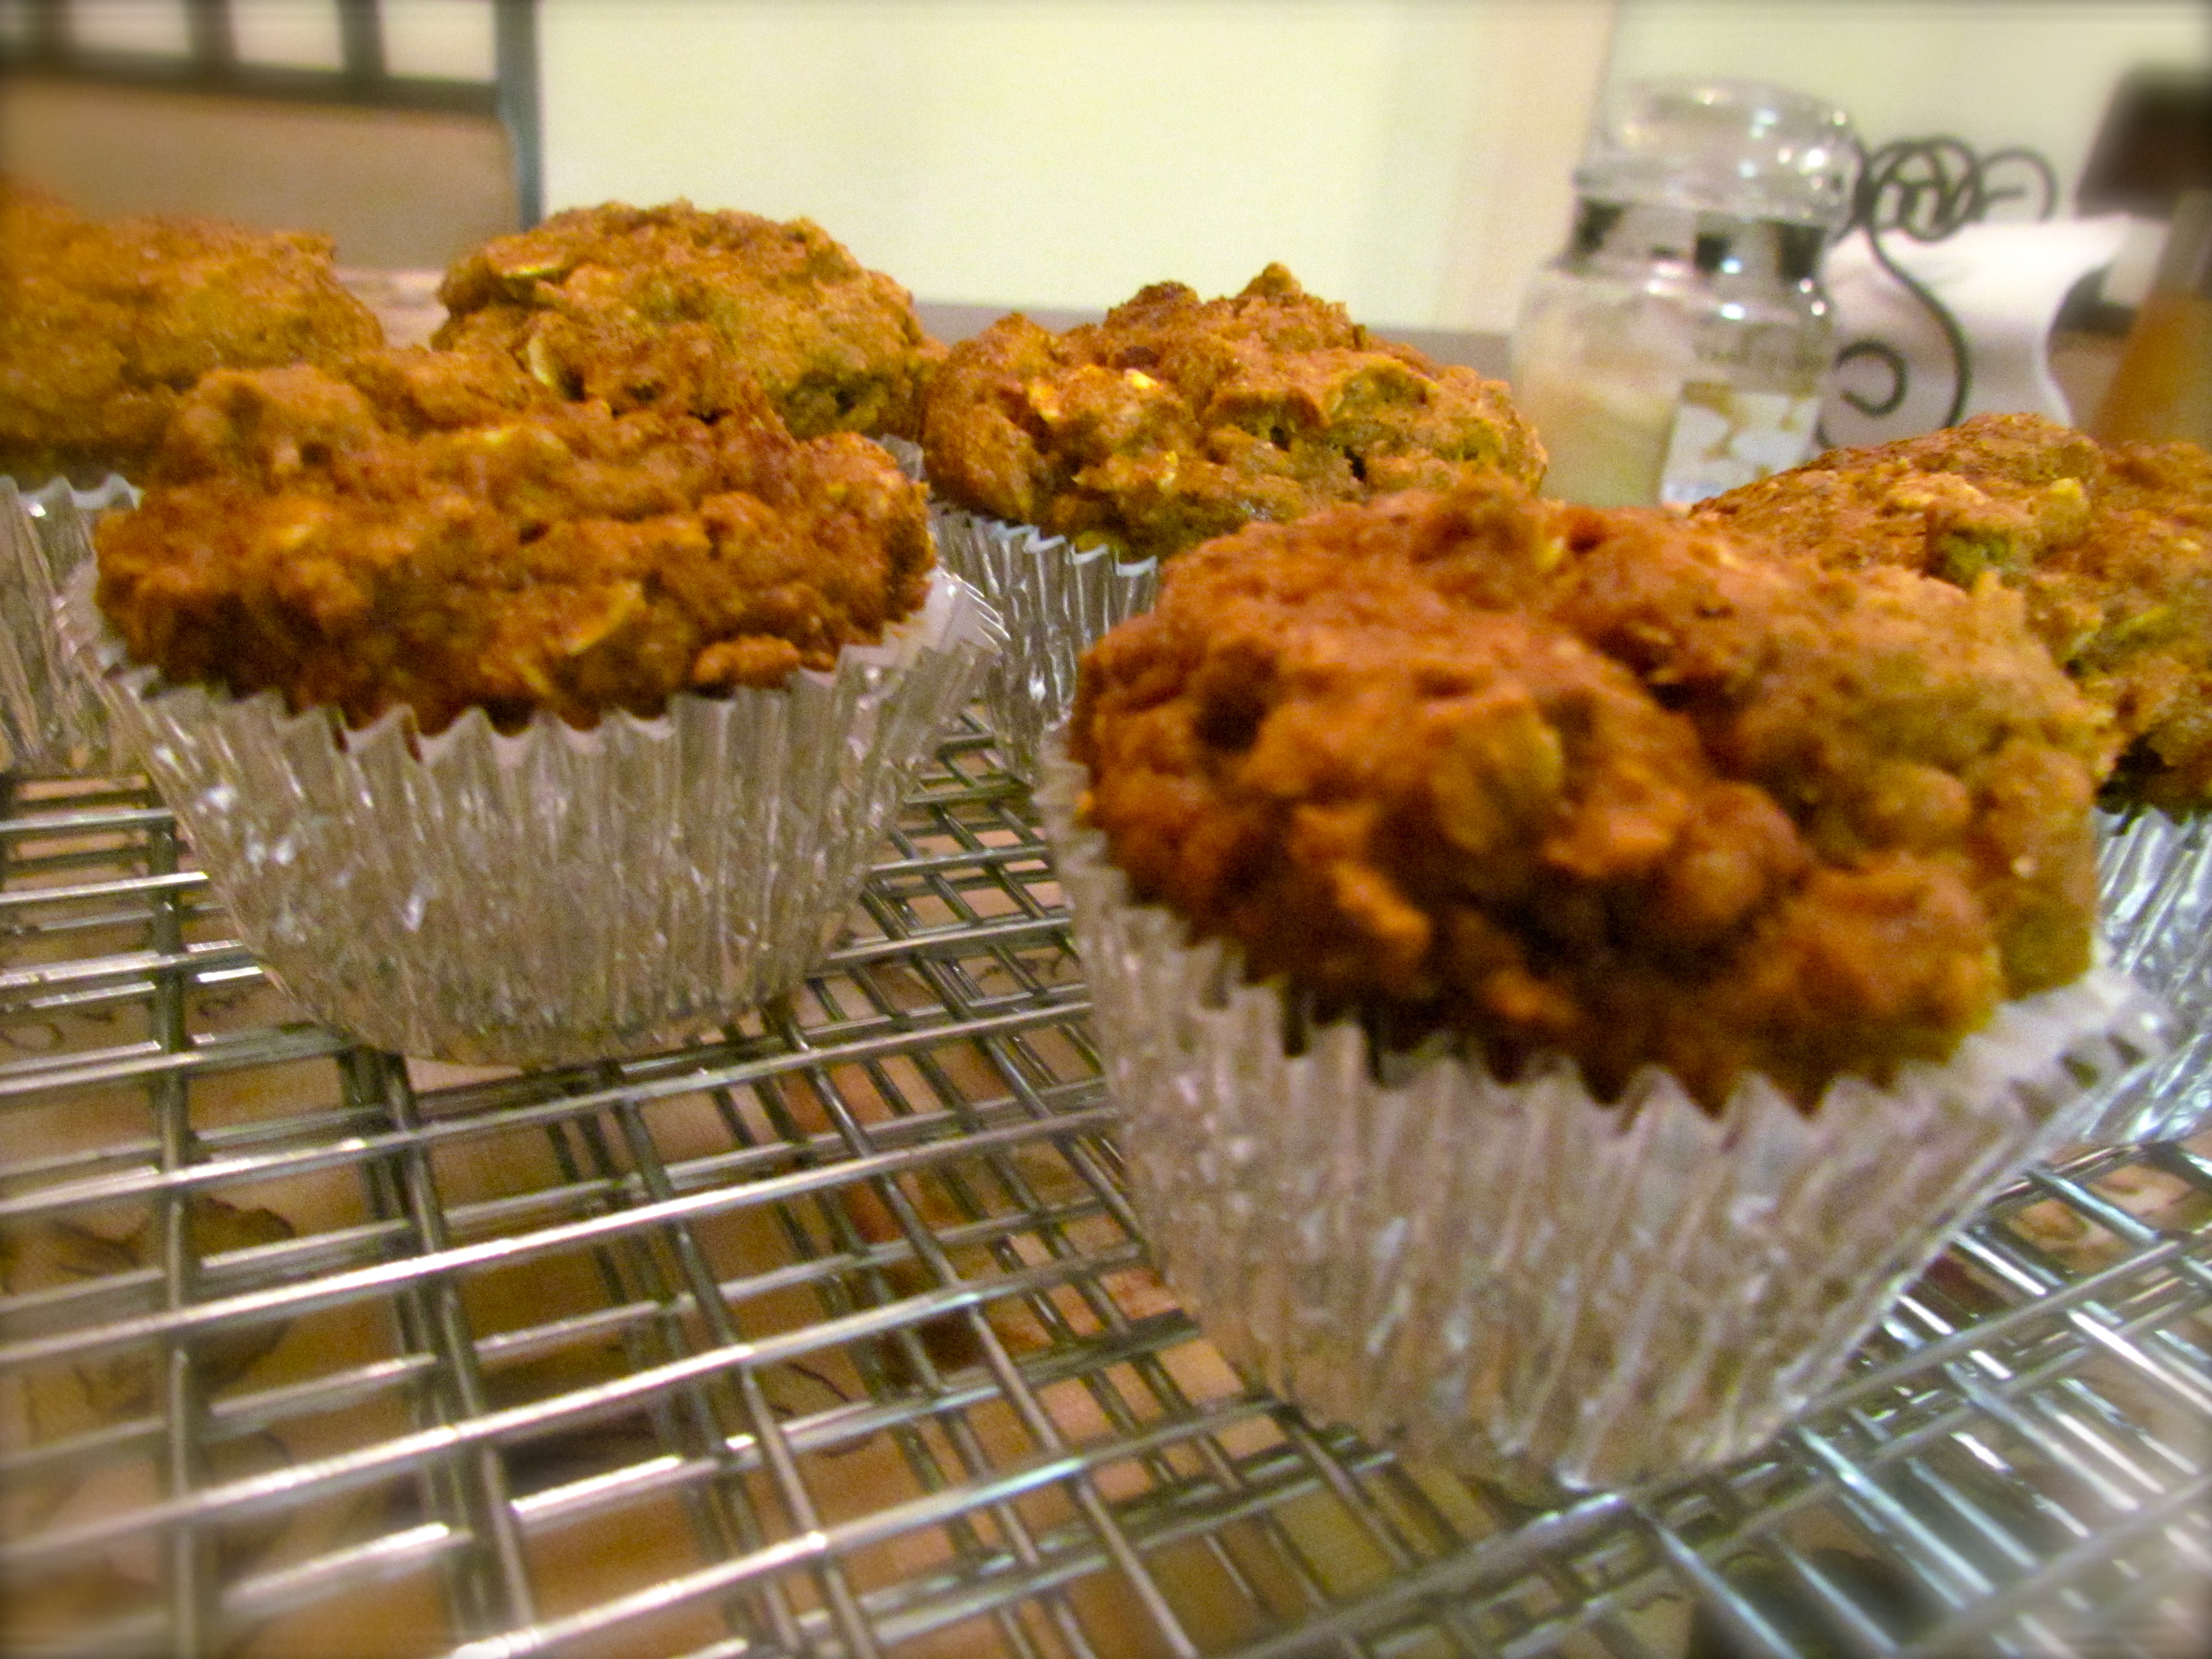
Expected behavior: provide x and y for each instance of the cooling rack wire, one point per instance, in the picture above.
(832, 1333)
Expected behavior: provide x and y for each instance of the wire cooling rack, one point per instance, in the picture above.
(832, 1333)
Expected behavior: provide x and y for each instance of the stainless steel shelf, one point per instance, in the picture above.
(833, 1334)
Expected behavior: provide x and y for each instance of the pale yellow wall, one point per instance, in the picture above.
(1409, 157)
(1994, 72)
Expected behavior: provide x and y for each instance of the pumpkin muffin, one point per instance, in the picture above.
(437, 530)
(2109, 545)
(1561, 975)
(1177, 419)
(104, 327)
(675, 305)
(1609, 784)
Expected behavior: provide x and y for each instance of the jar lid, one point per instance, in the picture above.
(1746, 148)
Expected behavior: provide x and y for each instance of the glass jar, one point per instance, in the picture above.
(1676, 349)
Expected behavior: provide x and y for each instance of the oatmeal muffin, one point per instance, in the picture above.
(1178, 419)
(513, 729)
(1613, 785)
(1562, 973)
(677, 306)
(436, 529)
(2111, 547)
(104, 326)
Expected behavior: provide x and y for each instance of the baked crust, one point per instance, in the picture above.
(1614, 784)
(1176, 420)
(104, 327)
(437, 530)
(2111, 548)
(671, 304)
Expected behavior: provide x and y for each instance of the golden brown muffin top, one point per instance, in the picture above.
(104, 327)
(1614, 784)
(1176, 420)
(637, 306)
(438, 530)
(2111, 548)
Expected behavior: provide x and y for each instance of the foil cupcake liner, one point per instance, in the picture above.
(906, 455)
(49, 720)
(2154, 898)
(1512, 1279)
(553, 895)
(1055, 600)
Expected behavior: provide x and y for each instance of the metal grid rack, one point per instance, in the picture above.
(832, 1333)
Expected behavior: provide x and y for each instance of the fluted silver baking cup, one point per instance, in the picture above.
(554, 895)
(2155, 900)
(49, 720)
(1055, 600)
(1513, 1278)
(906, 453)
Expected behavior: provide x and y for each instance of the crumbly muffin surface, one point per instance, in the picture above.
(1176, 420)
(1613, 784)
(2110, 547)
(438, 530)
(103, 327)
(672, 305)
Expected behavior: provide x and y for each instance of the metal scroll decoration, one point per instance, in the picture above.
(1926, 189)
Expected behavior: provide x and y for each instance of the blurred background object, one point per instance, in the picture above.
(1961, 290)
(2154, 144)
(2162, 389)
(1677, 348)
(1948, 284)
(2152, 162)
(1409, 159)
(404, 129)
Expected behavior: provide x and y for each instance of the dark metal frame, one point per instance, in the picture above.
(210, 65)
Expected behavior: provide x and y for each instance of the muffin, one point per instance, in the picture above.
(1070, 465)
(1565, 971)
(431, 530)
(514, 729)
(674, 305)
(2110, 547)
(104, 327)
